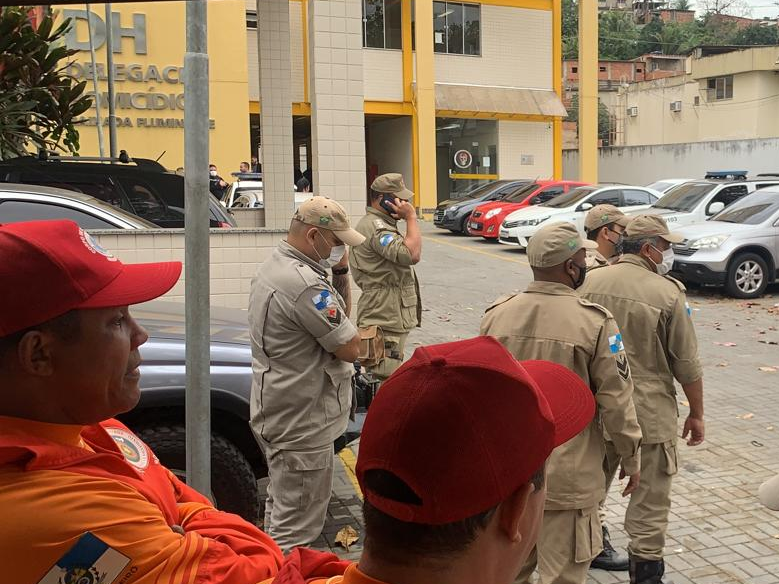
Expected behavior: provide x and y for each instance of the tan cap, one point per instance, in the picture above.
(769, 493)
(651, 226)
(326, 213)
(392, 183)
(601, 215)
(554, 243)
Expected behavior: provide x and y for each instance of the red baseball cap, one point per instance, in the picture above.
(464, 425)
(48, 268)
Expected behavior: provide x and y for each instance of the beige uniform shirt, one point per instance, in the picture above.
(659, 337)
(382, 268)
(552, 322)
(301, 393)
(595, 259)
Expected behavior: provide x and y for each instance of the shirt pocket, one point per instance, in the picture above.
(337, 397)
(408, 307)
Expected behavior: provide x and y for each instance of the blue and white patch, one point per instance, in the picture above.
(688, 309)
(615, 343)
(322, 300)
(89, 561)
(386, 239)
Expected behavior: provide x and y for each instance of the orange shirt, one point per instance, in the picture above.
(98, 492)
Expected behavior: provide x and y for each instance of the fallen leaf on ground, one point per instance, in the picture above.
(725, 344)
(768, 369)
(747, 416)
(768, 342)
(769, 428)
(346, 537)
(776, 536)
(723, 364)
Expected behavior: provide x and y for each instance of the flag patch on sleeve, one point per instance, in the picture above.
(385, 239)
(89, 561)
(615, 343)
(322, 300)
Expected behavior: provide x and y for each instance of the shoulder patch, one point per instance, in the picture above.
(131, 447)
(386, 239)
(598, 307)
(615, 343)
(675, 281)
(90, 560)
(322, 300)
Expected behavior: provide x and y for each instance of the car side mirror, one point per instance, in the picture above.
(535, 200)
(715, 208)
(585, 207)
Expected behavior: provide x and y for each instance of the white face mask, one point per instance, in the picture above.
(212, 172)
(336, 254)
(668, 261)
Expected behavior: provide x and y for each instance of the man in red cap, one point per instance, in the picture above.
(451, 463)
(83, 498)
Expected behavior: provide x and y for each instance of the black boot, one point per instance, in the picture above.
(647, 571)
(610, 559)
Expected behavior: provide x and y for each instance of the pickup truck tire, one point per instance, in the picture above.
(233, 484)
(747, 276)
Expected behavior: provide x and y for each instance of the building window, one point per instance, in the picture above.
(456, 28)
(381, 24)
(602, 69)
(720, 88)
(251, 19)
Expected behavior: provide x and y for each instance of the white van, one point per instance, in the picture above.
(695, 201)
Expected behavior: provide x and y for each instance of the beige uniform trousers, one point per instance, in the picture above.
(646, 519)
(394, 348)
(569, 540)
(301, 482)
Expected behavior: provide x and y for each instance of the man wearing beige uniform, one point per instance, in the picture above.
(383, 269)
(652, 311)
(303, 350)
(551, 322)
(604, 224)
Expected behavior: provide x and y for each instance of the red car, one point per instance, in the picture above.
(487, 217)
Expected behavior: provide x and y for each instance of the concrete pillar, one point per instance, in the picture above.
(276, 111)
(557, 83)
(424, 118)
(337, 102)
(588, 92)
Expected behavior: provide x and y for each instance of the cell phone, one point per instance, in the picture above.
(383, 204)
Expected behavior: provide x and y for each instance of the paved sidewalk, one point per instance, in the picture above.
(719, 533)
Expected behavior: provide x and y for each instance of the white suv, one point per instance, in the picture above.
(521, 225)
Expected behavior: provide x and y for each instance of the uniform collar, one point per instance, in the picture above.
(636, 260)
(65, 434)
(550, 288)
(383, 215)
(289, 251)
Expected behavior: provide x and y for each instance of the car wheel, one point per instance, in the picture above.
(464, 225)
(233, 484)
(747, 276)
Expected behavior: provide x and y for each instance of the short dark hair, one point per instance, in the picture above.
(244, 162)
(66, 326)
(405, 543)
(634, 245)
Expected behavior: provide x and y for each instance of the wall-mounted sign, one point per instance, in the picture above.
(463, 159)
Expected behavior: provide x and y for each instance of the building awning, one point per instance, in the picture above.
(497, 100)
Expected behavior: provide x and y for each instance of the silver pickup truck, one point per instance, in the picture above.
(236, 459)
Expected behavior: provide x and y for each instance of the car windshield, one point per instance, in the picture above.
(569, 198)
(482, 190)
(684, 197)
(521, 194)
(660, 186)
(751, 210)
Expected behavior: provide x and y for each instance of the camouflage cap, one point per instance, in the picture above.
(555, 243)
(601, 215)
(326, 213)
(642, 226)
(392, 183)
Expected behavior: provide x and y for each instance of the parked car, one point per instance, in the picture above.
(236, 460)
(453, 214)
(139, 186)
(696, 201)
(247, 192)
(34, 203)
(518, 227)
(487, 217)
(738, 248)
(666, 184)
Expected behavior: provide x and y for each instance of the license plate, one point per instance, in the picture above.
(504, 233)
(473, 225)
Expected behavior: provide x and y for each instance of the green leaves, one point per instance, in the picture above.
(39, 102)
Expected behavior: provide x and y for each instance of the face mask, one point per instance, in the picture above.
(212, 172)
(336, 254)
(619, 244)
(580, 278)
(667, 263)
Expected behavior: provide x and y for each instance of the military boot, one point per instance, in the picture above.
(647, 571)
(610, 559)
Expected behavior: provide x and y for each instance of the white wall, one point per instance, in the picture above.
(389, 147)
(383, 72)
(516, 139)
(646, 164)
(516, 51)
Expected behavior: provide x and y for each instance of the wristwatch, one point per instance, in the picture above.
(340, 271)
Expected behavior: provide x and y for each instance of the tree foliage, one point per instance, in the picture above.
(604, 118)
(39, 102)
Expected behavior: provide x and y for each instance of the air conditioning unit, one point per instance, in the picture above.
(676, 106)
(633, 111)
